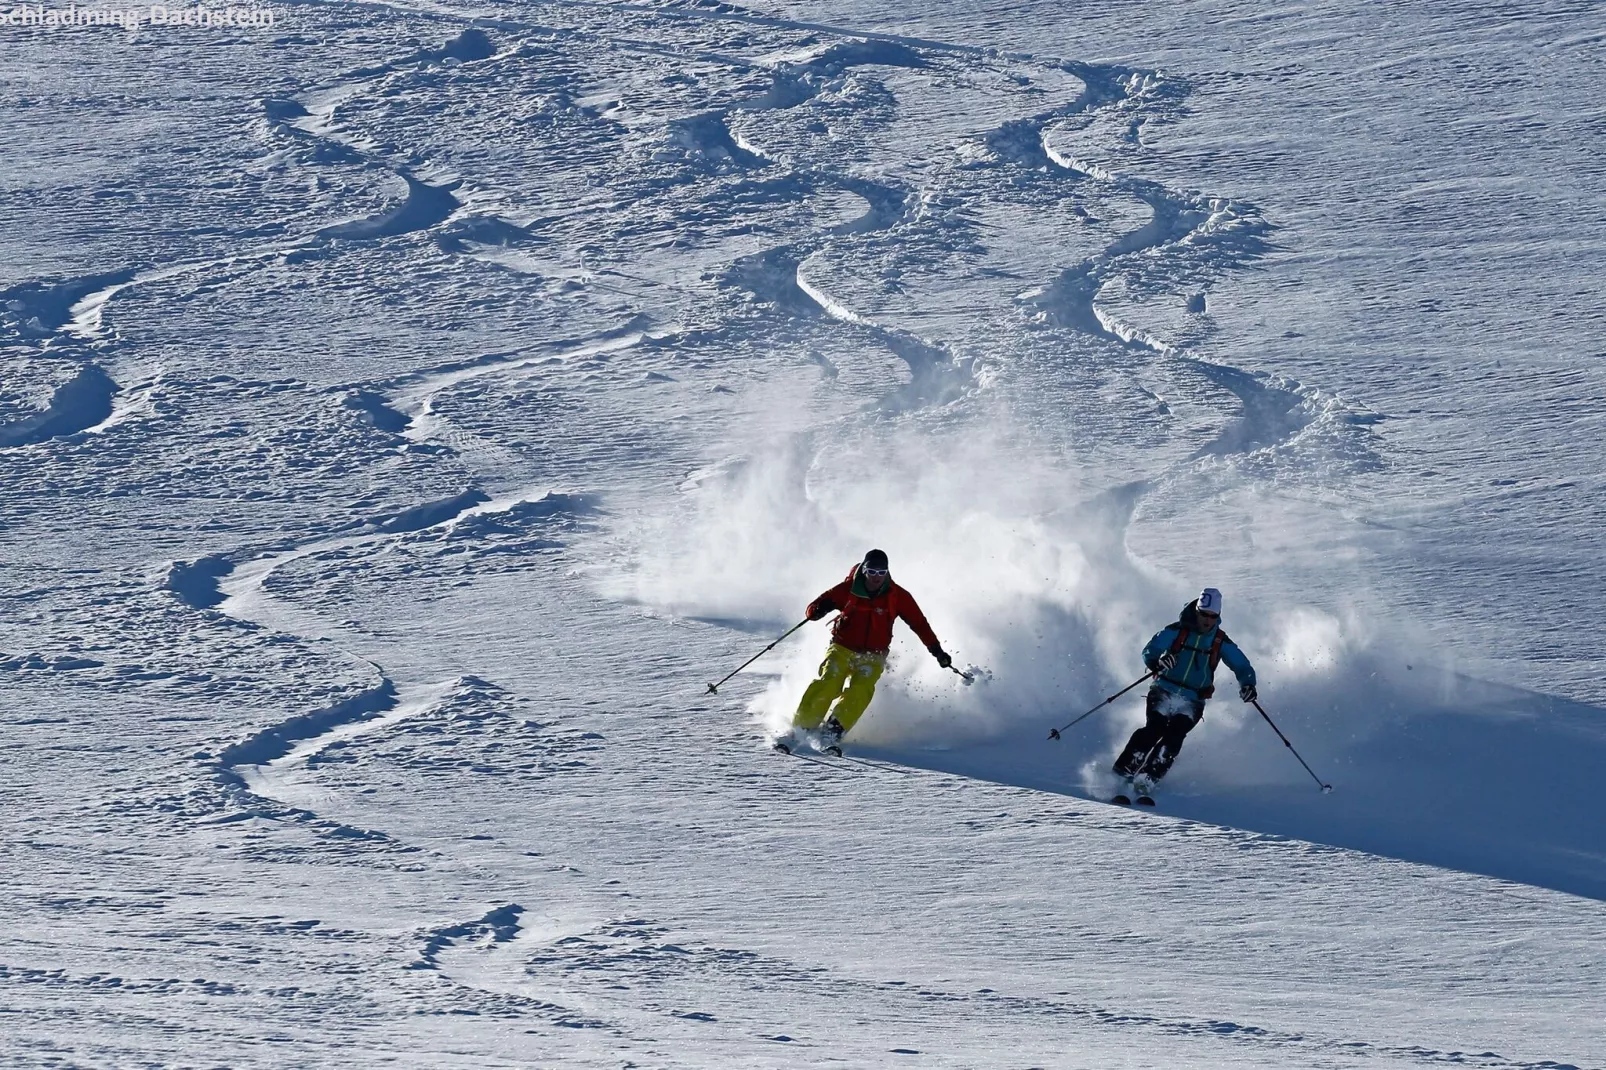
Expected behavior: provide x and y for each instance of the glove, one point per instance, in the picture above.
(1248, 693)
(1166, 662)
(818, 610)
(941, 655)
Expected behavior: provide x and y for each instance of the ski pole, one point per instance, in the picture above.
(963, 675)
(713, 689)
(1054, 733)
(1326, 788)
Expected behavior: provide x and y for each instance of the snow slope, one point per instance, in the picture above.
(405, 412)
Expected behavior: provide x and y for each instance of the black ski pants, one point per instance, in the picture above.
(1153, 748)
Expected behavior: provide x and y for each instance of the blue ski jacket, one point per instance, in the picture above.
(1192, 675)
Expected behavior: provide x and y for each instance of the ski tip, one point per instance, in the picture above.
(1121, 800)
(1144, 800)
(782, 747)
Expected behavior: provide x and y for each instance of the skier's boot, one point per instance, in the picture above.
(831, 733)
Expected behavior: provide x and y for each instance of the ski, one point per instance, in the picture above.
(883, 767)
(836, 755)
(1121, 800)
(1144, 800)
(781, 748)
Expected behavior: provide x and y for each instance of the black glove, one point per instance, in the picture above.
(1248, 693)
(941, 655)
(1166, 662)
(818, 610)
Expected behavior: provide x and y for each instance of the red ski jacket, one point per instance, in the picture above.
(866, 621)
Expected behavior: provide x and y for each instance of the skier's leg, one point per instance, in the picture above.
(1175, 730)
(817, 699)
(1137, 748)
(1144, 739)
(867, 669)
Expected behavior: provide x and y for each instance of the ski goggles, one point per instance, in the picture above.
(868, 571)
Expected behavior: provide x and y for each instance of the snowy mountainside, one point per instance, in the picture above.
(407, 411)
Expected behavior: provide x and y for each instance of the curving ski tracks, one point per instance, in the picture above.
(493, 949)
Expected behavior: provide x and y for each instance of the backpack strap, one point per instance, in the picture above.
(1215, 659)
(1215, 653)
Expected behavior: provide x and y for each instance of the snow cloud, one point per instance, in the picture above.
(1025, 568)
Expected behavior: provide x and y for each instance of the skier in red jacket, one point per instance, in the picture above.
(868, 602)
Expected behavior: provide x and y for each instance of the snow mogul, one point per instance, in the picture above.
(868, 603)
(1183, 658)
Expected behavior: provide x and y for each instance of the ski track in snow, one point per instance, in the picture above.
(937, 375)
(778, 275)
(412, 397)
(272, 765)
(75, 309)
(1177, 219)
(516, 955)
(1224, 233)
(1227, 233)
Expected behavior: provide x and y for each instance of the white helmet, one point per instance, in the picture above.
(1210, 601)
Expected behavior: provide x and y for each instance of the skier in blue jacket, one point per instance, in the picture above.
(1183, 656)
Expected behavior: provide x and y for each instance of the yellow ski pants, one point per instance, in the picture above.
(848, 678)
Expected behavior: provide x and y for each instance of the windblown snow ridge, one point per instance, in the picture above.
(425, 206)
(40, 309)
(195, 583)
(430, 514)
(77, 405)
(499, 925)
(280, 739)
(375, 408)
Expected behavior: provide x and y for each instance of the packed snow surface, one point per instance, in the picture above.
(406, 410)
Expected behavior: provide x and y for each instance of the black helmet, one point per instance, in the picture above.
(876, 559)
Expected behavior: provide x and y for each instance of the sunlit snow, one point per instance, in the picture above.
(407, 410)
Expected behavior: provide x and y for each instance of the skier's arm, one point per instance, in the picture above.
(909, 610)
(835, 598)
(1160, 644)
(1235, 660)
